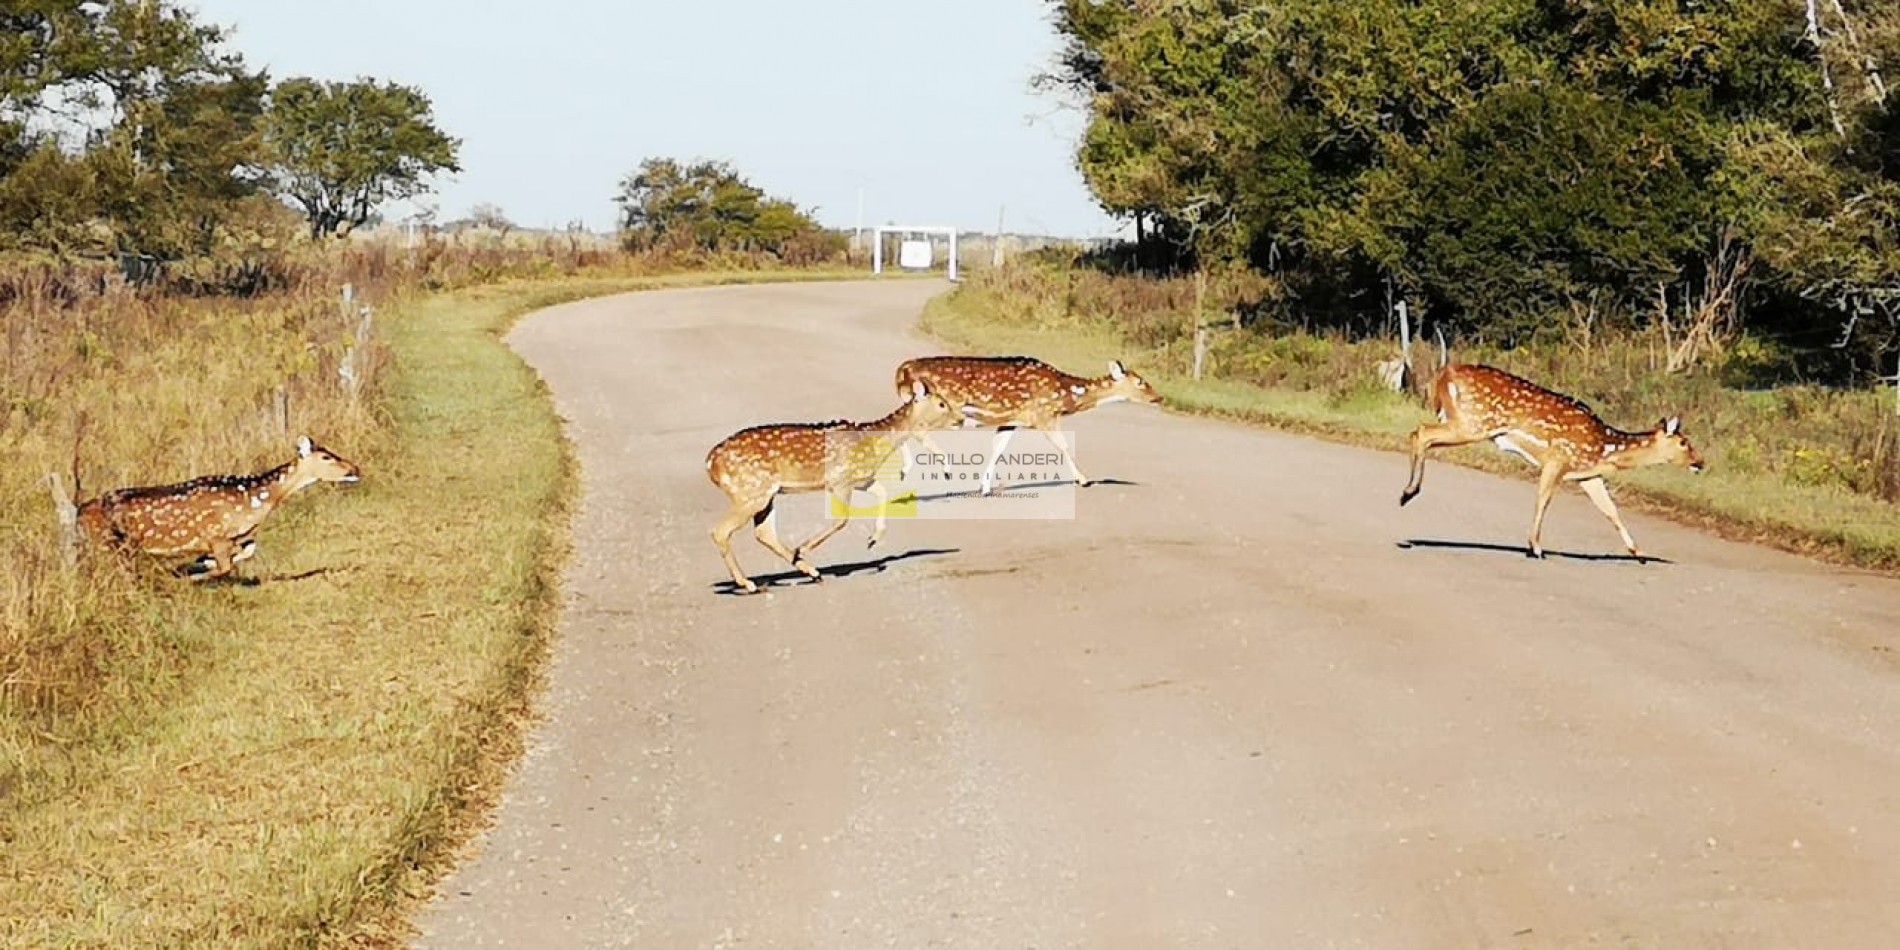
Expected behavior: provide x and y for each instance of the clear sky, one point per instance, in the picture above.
(924, 106)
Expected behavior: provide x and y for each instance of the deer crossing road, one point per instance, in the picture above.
(1240, 700)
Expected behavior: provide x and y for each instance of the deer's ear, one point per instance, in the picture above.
(303, 446)
(918, 390)
(1672, 425)
(1116, 370)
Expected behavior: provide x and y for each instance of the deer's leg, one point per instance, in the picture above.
(1599, 494)
(742, 510)
(923, 438)
(1061, 442)
(245, 549)
(765, 528)
(878, 492)
(1428, 437)
(1546, 490)
(997, 445)
(221, 561)
(842, 499)
(246, 546)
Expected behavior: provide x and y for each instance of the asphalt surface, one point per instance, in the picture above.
(1241, 700)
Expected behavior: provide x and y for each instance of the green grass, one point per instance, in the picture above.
(1735, 500)
(298, 769)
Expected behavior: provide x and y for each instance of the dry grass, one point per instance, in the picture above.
(1804, 469)
(278, 764)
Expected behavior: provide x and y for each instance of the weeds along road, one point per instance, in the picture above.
(1229, 705)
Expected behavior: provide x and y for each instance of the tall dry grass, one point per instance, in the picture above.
(135, 386)
(214, 368)
(270, 765)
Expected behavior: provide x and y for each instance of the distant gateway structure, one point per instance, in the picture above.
(911, 254)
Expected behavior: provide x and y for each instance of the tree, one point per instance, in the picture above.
(1501, 161)
(490, 216)
(341, 149)
(707, 206)
(124, 126)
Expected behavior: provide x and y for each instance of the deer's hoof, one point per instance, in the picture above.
(1406, 496)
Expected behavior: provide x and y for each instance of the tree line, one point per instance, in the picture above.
(130, 127)
(673, 205)
(1511, 167)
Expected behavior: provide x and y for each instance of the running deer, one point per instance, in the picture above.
(754, 466)
(1560, 435)
(215, 517)
(1010, 392)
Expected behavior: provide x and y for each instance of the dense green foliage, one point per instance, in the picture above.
(1499, 162)
(341, 149)
(123, 127)
(709, 206)
(127, 127)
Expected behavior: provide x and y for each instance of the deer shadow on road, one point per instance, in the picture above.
(1524, 551)
(797, 578)
(1005, 489)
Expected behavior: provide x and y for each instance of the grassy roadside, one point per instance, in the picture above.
(317, 756)
(1824, 522)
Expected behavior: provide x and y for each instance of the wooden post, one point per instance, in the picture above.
(67, 515)
(1405, 334)
(996, 253)
(1200, 320)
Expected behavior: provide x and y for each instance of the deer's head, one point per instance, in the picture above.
(1671, 447)
(925, 410)
(1122, 384)
(317, 464)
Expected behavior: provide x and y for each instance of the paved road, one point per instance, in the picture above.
(1229, 705)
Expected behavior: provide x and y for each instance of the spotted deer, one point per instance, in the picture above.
(1560, 435)
(754, 466)
(215, 517)
(1009, 392)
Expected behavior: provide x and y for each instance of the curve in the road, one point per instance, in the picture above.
(1239, 701)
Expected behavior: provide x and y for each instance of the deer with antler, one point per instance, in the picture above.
(756, 465)
(1560, 435)
(1010, 392)
(215, 517)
